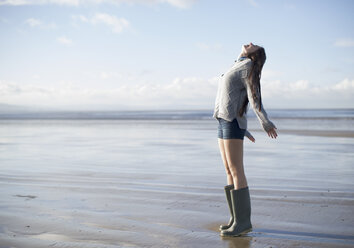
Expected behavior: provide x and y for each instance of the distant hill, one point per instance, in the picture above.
(12, 108)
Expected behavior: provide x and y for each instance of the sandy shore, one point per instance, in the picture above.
(101, 211)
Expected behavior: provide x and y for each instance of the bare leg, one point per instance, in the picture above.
(224, 160)
(234, 156)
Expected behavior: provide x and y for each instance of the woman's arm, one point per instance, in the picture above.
(261, 114)
(249, 135)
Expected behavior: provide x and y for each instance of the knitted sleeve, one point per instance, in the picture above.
(261, 114)
(248, 134)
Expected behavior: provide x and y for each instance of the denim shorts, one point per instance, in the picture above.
(230, 130)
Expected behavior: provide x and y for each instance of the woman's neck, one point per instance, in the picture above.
(242, 55)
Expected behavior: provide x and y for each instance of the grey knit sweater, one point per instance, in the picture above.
(233, 89)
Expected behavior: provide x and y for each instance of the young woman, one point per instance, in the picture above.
(237, 87)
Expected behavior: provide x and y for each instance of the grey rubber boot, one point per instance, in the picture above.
(227, 189)
(241, 206)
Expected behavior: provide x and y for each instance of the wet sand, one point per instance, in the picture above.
(100, 210)
(95, 186)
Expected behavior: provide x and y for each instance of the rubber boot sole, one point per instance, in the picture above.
(239, 234)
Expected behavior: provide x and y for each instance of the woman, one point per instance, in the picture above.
(238, 86)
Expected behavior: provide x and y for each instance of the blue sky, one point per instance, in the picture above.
(169, 54)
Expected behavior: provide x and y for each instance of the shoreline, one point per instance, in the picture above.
(318, 133)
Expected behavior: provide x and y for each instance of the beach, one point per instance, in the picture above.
(158, 182)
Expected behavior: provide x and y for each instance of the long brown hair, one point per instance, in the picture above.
(258, 58)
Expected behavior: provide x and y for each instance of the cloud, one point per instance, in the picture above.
(4, 20)
(13, 89)
(80, 18)
(189, 92)
(345, 85)
(41, 2)
(174, 3)
(253, 3)
(269, 74)
(33, 22)
(180, 92)
(116, 24)
(344, 43)
(179, 3)
(65, 41)
(302, 88)
(302, 94)
(208, 47)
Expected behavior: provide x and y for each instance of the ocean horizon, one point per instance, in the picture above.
(332, 122)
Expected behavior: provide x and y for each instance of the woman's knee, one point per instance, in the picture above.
(228, 171)
(236, 170)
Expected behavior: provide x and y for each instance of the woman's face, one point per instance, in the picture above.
(249, 48)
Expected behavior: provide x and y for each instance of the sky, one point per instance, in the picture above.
(169, 54)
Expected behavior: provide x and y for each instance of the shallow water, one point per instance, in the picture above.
(33, 147)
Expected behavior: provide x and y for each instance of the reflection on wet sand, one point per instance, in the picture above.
(238, 242)
(326, 239)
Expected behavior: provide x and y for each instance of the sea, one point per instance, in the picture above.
(315, 147)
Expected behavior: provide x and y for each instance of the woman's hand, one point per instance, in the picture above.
(251, 138)
(272, 133)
